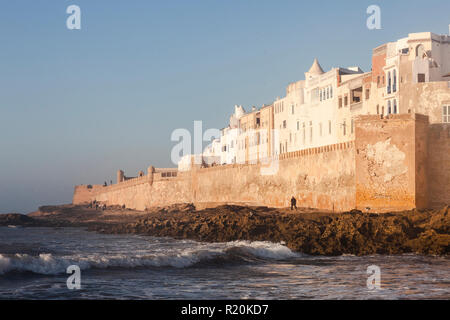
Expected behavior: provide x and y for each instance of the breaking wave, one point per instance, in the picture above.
(237, 251)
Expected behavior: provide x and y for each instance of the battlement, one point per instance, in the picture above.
(317, 150)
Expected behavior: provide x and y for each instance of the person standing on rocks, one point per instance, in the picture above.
(293, 203)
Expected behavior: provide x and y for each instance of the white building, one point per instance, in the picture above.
(229, 137)
(308, 116)
(409, 75)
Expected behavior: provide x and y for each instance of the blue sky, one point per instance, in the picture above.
(76, 105)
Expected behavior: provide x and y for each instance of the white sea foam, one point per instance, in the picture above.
(49, 264)
(265, 250)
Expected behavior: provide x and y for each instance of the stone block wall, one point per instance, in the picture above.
(439, 165)
(391, 162)
(319, 178)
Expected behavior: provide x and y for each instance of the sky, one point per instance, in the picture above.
(77, 105)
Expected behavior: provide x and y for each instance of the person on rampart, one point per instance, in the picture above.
(293, 203)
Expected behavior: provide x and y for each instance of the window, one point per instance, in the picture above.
(315, 95)
(343, 128)
(356, 95)
(284, 124)
(367, 94)
(298, 125)
(321, 95)
(345, 101)
(292, 109)
(446, 114)
(395, 106)
(304, 133)
(331, 92)
(394, 84)
(389, 83)
(421, 77)
(378, 109)
(329, 127)
(320, 129)
(353, 124)
(328, 93)
(310, 132)
(389, 107)
(340, 102)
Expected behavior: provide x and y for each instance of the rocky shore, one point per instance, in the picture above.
(305, 230)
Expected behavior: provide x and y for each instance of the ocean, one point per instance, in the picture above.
(34, 262)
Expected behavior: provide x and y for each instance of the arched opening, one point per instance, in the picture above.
(420, 51)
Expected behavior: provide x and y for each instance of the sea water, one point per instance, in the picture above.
(34, 262)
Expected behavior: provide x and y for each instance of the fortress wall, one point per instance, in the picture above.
(396, 163)
(390, 164)
(439, 165)
(86, 193)
(319, 178)
(322, 178)
(421, 160)
(147, 191)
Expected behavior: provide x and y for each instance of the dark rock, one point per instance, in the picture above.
(307, 231)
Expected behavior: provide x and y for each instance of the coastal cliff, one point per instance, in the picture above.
(305, 230)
